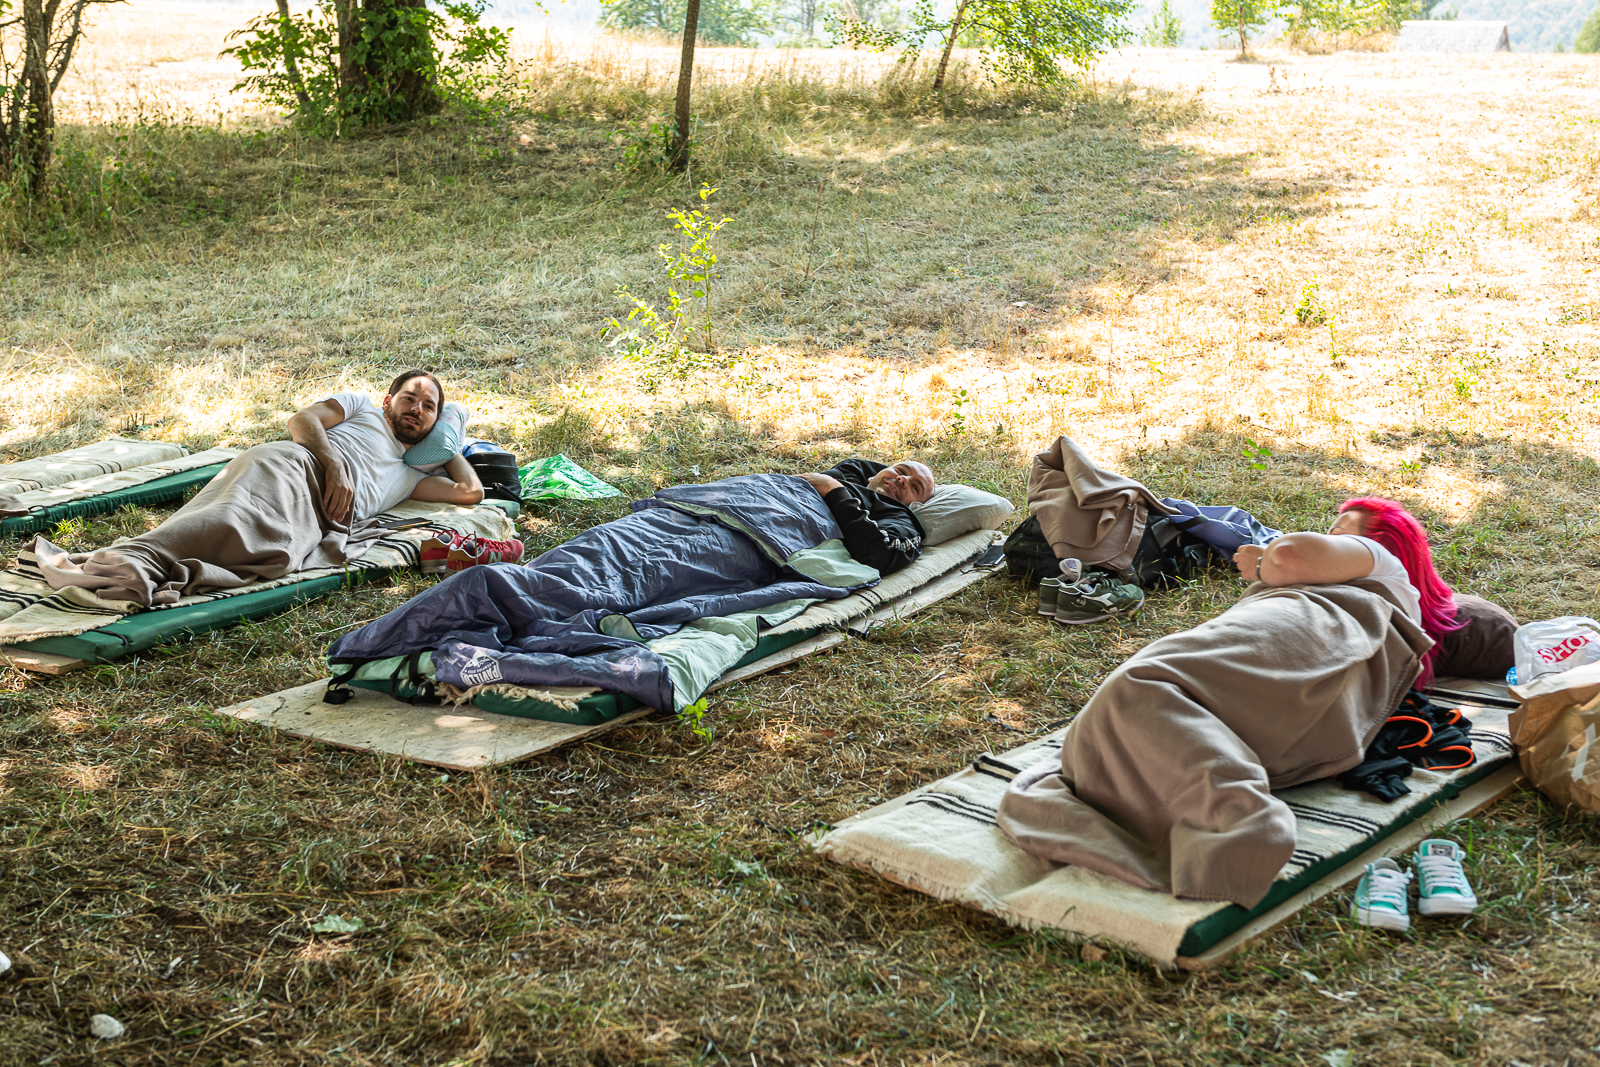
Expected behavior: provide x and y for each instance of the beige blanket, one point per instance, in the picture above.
(260, 519)
(1165, 777)
(1087, 512)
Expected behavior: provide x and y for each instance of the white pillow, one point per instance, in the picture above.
(956, 509)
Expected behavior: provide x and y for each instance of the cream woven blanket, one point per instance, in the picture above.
(98, 485)
(102, 457)
(942, 840)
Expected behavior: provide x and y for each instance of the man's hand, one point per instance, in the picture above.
(338, 495)
(821, 482)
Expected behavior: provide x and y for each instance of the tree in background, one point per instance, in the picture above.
(718, 22)
(1355, 18)
(50, 31)
(1165, 29)
(1588, 40)
(1021, 40)
(369, 62)
(1242, 16)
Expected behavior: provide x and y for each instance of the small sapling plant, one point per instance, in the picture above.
(1311, 311)
(958, 417)
(1256, 454)
(694, 717)
(681, 341)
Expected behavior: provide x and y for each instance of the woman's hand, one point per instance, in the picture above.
(1248, 560)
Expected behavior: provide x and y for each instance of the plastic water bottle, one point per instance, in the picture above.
(1511, 676)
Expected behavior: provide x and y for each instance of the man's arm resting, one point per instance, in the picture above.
(867, 541)
(309, 428)
(457, 485)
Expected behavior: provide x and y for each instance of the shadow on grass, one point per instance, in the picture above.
(495, 249)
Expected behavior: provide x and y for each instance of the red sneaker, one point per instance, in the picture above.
(471, 551)
(436, 550)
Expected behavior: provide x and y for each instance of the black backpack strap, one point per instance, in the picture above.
(339, 691)
(423, 689)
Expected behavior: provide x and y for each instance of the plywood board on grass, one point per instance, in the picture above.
(457, 739)
(39, 662)
(467, 739)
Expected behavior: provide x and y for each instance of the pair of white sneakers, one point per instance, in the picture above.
(1381, 899)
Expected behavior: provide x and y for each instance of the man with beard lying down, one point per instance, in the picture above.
(585, 612)
(1166, 776)
(282, 507)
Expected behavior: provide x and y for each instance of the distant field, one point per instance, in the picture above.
(1274, 283)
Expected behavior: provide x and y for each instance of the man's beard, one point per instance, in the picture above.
(404, 433)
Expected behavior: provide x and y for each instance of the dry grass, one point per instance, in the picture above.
(643, 899)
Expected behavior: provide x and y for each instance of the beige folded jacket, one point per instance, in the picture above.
(1087, 512)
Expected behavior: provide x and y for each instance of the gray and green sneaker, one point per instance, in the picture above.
(1049, 589)
(1095, 598)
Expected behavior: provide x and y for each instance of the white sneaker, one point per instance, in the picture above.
(1380, 900)
(1442, 886)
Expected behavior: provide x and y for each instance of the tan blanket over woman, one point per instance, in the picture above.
(1166, 776)
(260, 519)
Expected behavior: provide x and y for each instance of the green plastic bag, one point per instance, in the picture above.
(558, 478)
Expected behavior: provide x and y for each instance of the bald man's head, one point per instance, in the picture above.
(907, 481)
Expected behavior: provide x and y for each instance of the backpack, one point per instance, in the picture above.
(1028, 555)
(496, 469)
(1167, 553)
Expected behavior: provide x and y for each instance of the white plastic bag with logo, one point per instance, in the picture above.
(1555, 645)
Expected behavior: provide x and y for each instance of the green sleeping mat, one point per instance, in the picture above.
(1213, 928)
(160, 491)
(392, 676)
(135, 633)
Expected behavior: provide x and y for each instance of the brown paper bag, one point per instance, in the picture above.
(1556, 732)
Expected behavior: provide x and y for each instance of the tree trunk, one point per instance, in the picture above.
(289, 63)
(38, 119)
(417, 90)
(949, 44)
(680, 135)
(1240, 10)
(345, 15)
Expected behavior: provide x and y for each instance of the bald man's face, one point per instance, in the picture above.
(907, 481)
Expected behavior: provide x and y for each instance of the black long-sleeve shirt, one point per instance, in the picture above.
(878, 530)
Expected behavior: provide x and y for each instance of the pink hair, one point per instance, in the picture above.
(1396, 529)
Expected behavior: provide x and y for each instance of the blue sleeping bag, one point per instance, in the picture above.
(579, 614)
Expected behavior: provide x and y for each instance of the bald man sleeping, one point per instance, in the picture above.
(870, 502)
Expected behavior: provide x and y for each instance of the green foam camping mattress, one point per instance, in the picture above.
(1208, 932)
(944, 839)
(590, 711)
(158, 491)
(135, 633)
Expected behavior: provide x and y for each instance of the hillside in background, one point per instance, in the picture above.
(1536, 25)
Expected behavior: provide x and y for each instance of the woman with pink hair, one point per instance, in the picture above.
(1376, 539)
(1167, 776)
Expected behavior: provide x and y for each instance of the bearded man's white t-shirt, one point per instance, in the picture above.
(373, 456)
